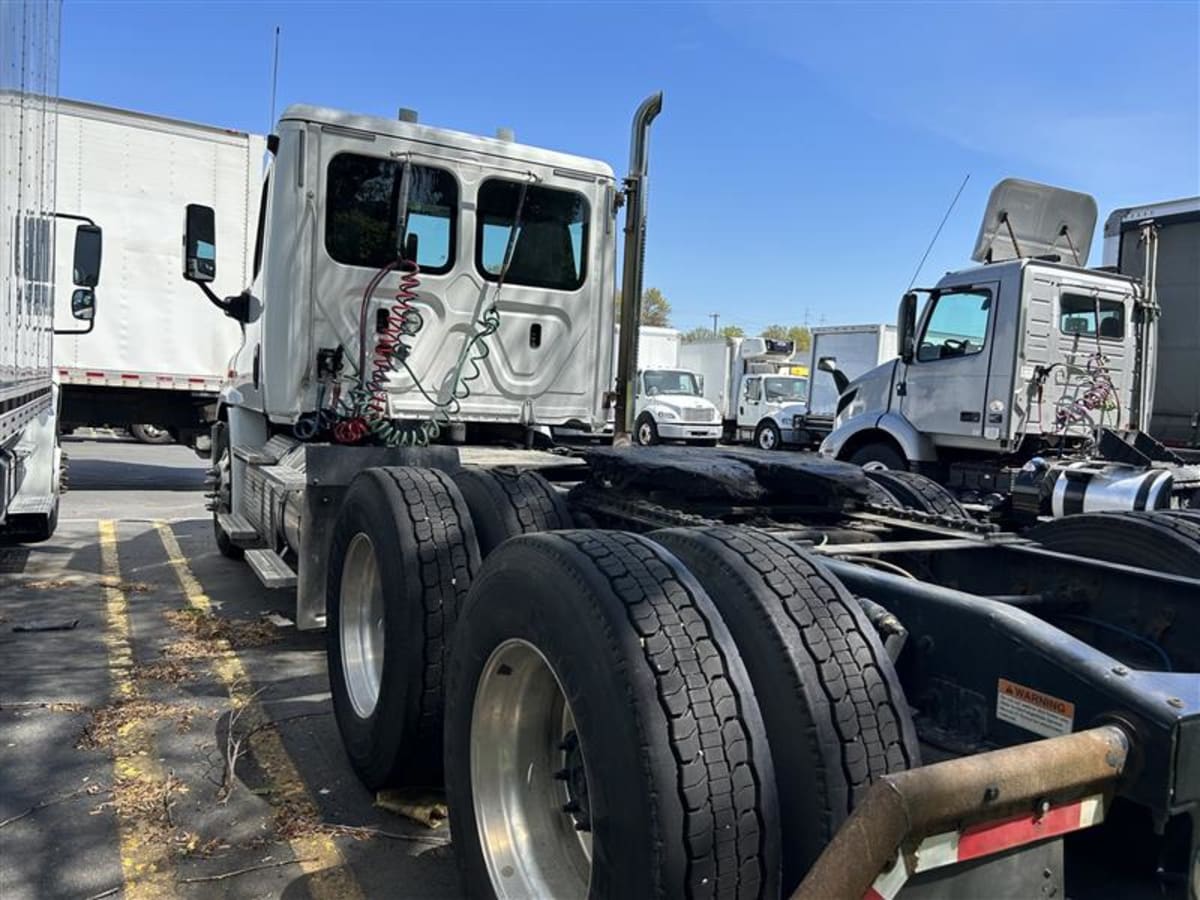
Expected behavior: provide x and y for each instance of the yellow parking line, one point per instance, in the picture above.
(145, 864)
(320, 858)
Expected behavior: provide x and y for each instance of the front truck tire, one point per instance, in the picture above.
(916, 491)
(506, 504)
(878, 456)
(834, 709)
(402, 557)
(602, 736)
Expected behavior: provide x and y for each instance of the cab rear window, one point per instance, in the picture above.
(363, 197)
(550, 250)
(1091, 317)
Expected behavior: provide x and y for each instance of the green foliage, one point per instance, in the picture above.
(656, 309)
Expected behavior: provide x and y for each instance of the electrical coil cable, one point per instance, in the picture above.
(365, 412)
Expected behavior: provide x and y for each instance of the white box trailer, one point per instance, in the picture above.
(1175, 416)
(156, 357)
(31, 460)
(856, 349)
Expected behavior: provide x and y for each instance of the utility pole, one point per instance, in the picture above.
(714, 317)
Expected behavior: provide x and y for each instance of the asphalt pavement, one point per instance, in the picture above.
(165, 731)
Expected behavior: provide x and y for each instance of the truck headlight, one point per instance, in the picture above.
(797, 422)
(666, 414)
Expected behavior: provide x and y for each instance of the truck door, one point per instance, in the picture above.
(751, 402)
(943, 390)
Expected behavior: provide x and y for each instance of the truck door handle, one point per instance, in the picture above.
(902, 389)
(967, 416)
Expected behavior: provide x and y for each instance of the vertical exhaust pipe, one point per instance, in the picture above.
(632, 265)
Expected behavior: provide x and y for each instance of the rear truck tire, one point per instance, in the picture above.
(645, 430)
(505, 504)
(151, 434)
(767, 436)
(401, 559)
(834, 709)
(878, 456)
(1149, 540)
(597, 706)
(915, 491)
(222, 457)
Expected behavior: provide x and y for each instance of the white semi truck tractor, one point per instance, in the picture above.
(671, 679)
(31, 460)
(1026, 383)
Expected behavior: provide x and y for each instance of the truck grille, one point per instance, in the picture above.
(697, 415)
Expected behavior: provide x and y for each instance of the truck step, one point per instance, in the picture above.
(270, 568)
(239, 529)
(31, 506)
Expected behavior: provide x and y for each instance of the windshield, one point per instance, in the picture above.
(658, 381)
(786, 389)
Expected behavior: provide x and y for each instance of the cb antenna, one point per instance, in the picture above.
(274, 82)
(942, 224)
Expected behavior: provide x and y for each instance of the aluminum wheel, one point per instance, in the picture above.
(361, 625)
(766, 439)
(645, 434)
(875, 466)
(528, 780)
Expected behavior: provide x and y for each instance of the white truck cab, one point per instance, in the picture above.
(769, 407)
(670, 406)
(1020, 368)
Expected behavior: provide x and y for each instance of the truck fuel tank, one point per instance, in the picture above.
(1064, 489)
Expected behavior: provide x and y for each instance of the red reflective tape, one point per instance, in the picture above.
(994, 837)
(129, 377)
(94, 374)
(197, 380)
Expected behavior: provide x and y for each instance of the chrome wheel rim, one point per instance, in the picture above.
(645, 435)
(874, 465)
(361, 625)
(528, 780)
(766, 439)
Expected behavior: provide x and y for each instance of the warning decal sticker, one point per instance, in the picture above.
(1032, 710)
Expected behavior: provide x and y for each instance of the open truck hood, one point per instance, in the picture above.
(1044, 221)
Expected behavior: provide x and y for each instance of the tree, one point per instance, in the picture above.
(656, 309)
(706, 334)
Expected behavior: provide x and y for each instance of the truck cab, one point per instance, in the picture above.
(768, 408)
(1027, 351)
(670, 405)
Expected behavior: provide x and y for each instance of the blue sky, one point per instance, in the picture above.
(805, 154)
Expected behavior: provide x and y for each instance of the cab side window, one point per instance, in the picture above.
(753, 389)
(957, 325)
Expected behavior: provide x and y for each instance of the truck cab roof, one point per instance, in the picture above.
(443, 137)
(1010, 268)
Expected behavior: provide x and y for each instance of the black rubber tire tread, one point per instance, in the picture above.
(220, 448)
(879, 495)
(879, 452)
(642, 419)
(505, 504)
(1161, 541)
(427, 556)
(834, 709)
(915, 491)
(682, 790)
(140, 434)
(764, 426)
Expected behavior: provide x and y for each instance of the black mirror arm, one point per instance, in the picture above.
(77, 331)
(237, 307)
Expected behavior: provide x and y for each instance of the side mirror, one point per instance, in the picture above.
(199, 243)
(86, 265)
(700, 383)
(83, 304)
(906, 327)
(829, 364)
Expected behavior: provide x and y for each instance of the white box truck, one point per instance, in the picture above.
(1175, 259)
(31, 460)
(751, 383)
(156, 360)
(852, 350)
